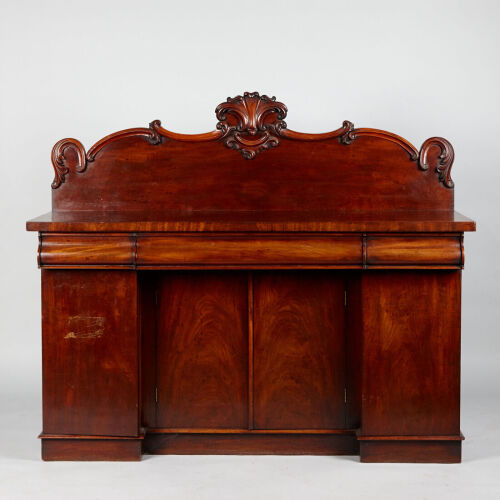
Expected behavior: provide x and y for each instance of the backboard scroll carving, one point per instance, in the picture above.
(59, 160)
(444, 161)
(252, 123)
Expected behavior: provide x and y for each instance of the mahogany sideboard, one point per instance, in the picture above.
(252, 290)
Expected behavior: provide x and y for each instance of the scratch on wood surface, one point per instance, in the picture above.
(85, 327)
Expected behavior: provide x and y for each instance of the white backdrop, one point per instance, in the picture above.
(85, 69)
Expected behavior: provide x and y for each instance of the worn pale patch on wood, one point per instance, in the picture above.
(85, 327)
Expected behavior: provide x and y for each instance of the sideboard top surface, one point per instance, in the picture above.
(252, 173)
(371, 221)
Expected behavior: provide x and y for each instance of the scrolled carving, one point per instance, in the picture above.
(348, 132)
(253, 131)
(352, 134)
(444, 160)
(152, 134)
(251, 123)
(155, 137)
(59, 159)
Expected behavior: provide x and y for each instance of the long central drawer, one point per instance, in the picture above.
(241, 249)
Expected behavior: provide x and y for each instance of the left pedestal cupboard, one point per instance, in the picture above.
(252, 290)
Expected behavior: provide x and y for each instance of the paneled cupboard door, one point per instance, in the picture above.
(299, 350)
(202, 350)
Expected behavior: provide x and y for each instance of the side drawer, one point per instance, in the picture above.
(416, 250)
(82, 249)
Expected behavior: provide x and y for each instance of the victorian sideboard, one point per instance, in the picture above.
(252, 290)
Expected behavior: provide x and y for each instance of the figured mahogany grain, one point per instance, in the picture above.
(147, 282)
(294, 219)
(412, 249)
(245, 249)
(86, 249)
(411, 353)
(279, 335)
(346, 250)
(202, 350)
(353, 348)
(90, 353)
(299, 372)
(320, 175)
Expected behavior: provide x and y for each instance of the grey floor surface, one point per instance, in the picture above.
(24, 475)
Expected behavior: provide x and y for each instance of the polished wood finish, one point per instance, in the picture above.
(353, 349)
(255, 221)
(155, 178)
(299, 350)
(64, 448)
(413, 250)
(423, 349)
(423, 452)
(252, 289)
(86, 249)
(369, 167)
(148, 298)
(90, 353)
(146, 250)
(251, 444)
(237, 249)
(202, 350)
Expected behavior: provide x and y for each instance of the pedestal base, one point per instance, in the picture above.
(411, 449)
(402, 449)
(90, 448)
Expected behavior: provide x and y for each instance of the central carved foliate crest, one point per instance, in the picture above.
(251, 123)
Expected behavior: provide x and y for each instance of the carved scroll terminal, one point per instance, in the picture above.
(59, 159)
(443, 162)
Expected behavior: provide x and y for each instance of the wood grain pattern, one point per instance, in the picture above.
(411, 353)
(90, 353)
(366, 164)
(255, 221)
(413, 249)
(243, 249)
(299, 350)
(252, 289)
(368, 174)
(61, 249)
(353, 348)
(250, 351)
(202, 350)
(147, 282)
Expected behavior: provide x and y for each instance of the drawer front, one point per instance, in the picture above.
(413, 250)
(81, 249)
(227, 250)
(345, 251)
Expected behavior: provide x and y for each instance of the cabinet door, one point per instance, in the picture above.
(411, 353)
(299, 350)
(202, 350)
(90, 352)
